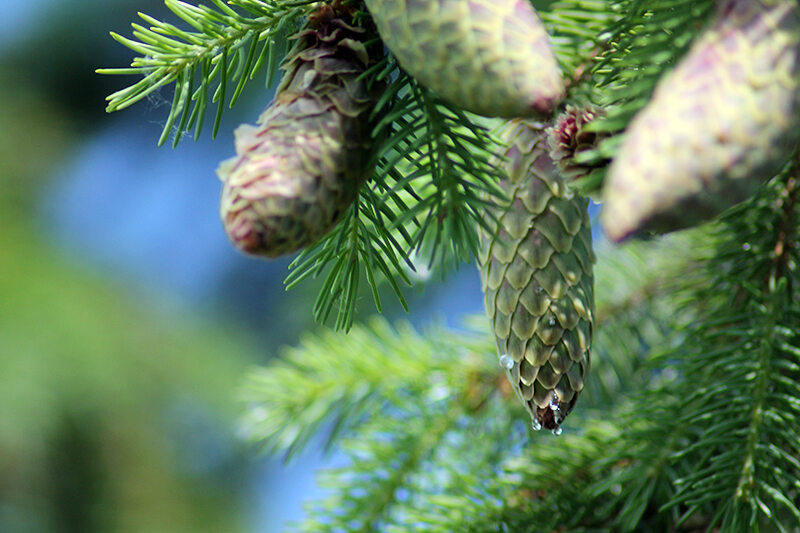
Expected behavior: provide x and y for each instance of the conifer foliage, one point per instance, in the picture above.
(669, 111)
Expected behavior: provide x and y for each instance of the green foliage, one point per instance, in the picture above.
(748, 457)
(579, 33)
(302, 393)
(636, 308)
(23, 163)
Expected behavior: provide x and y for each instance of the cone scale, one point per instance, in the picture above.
(491, 57)
(724, 121)
(298, 171)
(536, 272)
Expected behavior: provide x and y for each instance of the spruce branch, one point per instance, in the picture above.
(712, 443)
(361, 246)
(578, 34)
(225, 44)
(444, 493)
(446, 164)
(389, 451)
(747, 455)
(428, 196)
(347, 380)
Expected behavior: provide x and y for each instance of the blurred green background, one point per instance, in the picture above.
(127, 322)
(120, 349)
(116, 413)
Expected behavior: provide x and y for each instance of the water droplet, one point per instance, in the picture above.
(536, 425)
(506, 361)
(557, 432)
(554, 403)
(746, 246)
(539, 289)
(551, 322)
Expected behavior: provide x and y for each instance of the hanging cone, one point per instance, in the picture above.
(491, 57)
(724, 121)
(297, 172)
(536, 271)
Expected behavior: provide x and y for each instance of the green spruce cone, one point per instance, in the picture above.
(491, 57)
(536, 272)
(724, 121)
(297, 172)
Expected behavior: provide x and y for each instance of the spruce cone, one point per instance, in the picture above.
(724, 121)
(537, 280)
(297, 172)
(491, 57)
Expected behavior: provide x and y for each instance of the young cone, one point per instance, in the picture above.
(296, 172)
(568, 137)
(491, 57)
(536, 271)
(725, 120)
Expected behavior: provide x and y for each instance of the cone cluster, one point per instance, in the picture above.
(491, 57)
(536, 271)
(297, 172)
(724, 121)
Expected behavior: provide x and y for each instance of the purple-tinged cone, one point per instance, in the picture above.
(298, 171)
(724, 121)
